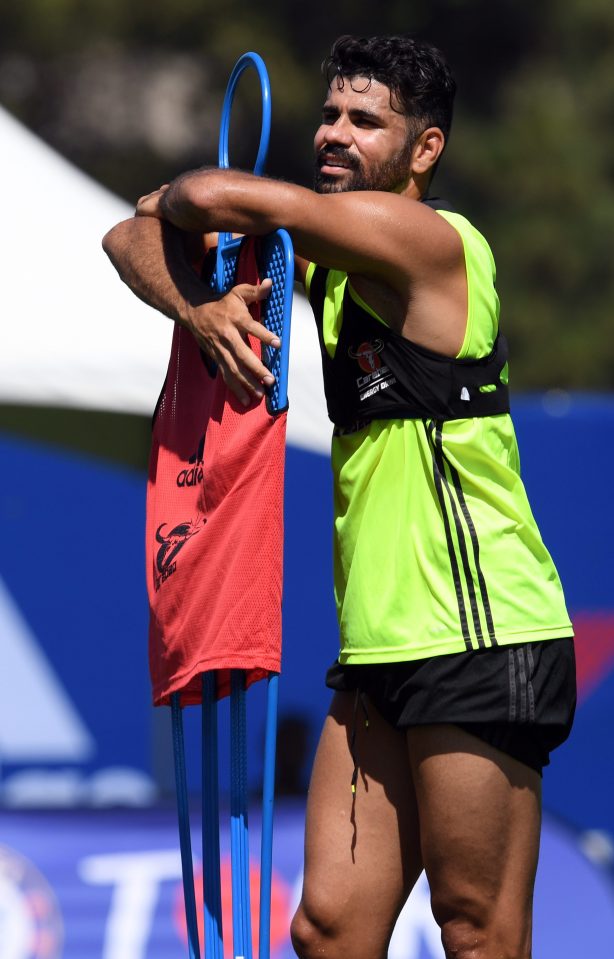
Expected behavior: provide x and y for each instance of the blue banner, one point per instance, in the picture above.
(107, 885)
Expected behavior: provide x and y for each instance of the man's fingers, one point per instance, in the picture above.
(240, 381)
(261, 333)
(220, 327)
(241, 369)
(250, 293)
(160, 190)
(234, 385)
(255, 371)
(263, 289)
(149, 205)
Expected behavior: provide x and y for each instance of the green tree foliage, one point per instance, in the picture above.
(132, 93)
(541, 176)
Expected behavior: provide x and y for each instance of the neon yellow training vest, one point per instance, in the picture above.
(436, 550)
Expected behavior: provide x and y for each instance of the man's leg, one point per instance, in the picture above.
(479, 828)
(362, 853)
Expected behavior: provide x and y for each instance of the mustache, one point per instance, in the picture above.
(337, 153)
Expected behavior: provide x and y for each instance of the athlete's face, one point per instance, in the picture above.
(362, 143)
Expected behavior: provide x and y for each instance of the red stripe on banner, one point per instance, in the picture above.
(594, 649)
(214, 530)
(281, 915)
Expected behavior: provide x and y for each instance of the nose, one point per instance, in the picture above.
(337, 133)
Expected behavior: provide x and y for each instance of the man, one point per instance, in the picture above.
(456, 676)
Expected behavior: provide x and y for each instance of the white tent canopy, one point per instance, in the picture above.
(73, 335)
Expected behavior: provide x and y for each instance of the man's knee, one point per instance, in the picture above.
(461, 938)
(320, 931)
(311, 934)
(302, 934)
(469, 931)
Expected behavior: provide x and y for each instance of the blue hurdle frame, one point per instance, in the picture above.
(212, 900)
(278, 259)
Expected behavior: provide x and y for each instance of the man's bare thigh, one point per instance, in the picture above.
(362, 849)
(479, 828)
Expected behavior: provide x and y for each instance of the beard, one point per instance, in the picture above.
(391, 176)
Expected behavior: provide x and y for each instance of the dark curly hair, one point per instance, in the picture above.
(416, 73)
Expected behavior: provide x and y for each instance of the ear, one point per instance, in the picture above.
(427, 150)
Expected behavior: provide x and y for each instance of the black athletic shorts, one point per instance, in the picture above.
(520, 699)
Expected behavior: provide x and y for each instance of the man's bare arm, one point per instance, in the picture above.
(151, 260)
(380, 235)
(150, 257)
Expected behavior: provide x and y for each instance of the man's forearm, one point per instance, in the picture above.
(389, 237)
(150, 258)
(212, 200)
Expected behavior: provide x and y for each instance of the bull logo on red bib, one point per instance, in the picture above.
(366, 355)
(170, 544)
(174, 540)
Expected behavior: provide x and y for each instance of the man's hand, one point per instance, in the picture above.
(149, 205)
(164, 205)
(221, 328)
(150, 256)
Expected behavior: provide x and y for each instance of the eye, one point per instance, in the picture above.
(329, 117)
(365, 121)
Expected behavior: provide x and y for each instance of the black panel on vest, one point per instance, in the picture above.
(378, 374)
(436, 203)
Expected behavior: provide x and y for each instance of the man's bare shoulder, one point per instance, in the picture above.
(376, 233)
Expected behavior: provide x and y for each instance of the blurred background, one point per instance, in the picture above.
(100, 102)
(131, 93)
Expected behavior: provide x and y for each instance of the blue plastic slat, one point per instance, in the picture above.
(268, 800)
(214, 934)
(278, 257)
(184, 827)
(247, 60)
(279, 266)
(239, 848)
